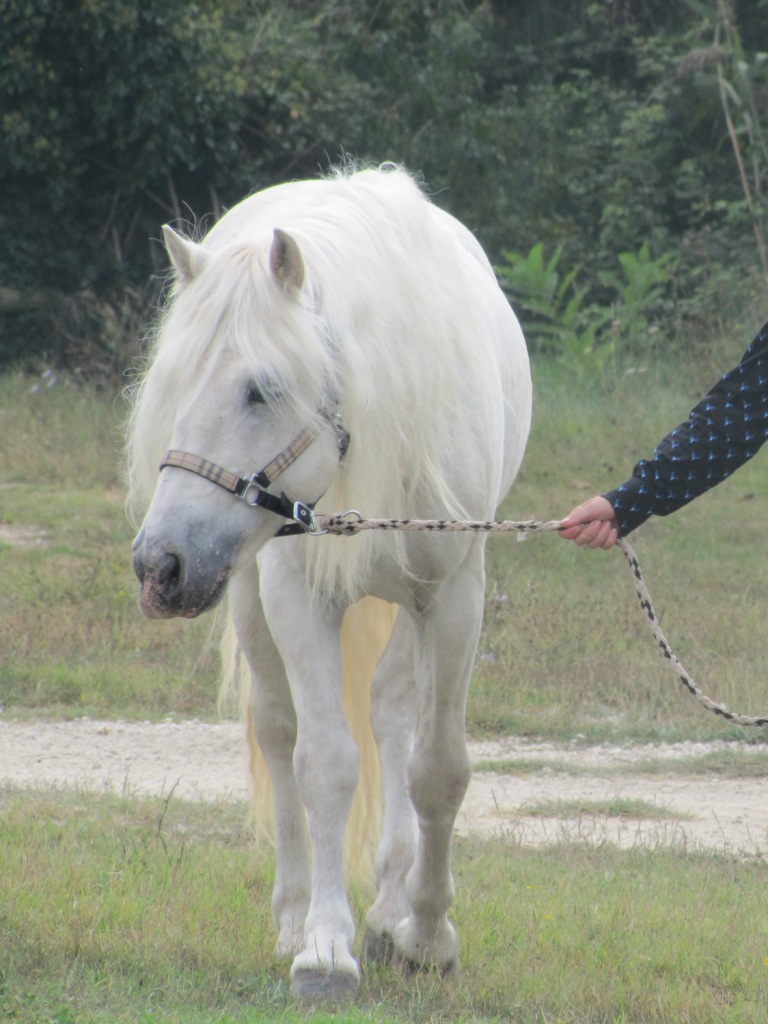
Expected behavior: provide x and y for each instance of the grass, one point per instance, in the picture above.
(55, 432)
(72, 639)
(124, 910)
(565, 652)
(70, 632)
(115, 909)
(618, 807)
(728, 763)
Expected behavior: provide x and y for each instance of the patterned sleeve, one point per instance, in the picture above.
(722, 432)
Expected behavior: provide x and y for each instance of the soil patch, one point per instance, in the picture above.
(202, 761)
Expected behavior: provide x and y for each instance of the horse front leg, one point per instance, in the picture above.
(447, 634)
(326, 764)
(273, 725)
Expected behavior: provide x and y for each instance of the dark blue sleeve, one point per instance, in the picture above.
(722, 432)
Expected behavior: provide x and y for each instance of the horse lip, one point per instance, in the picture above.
(154, 605)
(212, 599)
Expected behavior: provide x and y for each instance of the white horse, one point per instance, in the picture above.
(339, 343)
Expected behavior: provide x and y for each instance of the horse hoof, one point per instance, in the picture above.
(377, 949)
(409, 968)
(322, 986)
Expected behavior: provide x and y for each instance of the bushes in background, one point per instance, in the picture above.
(592, 129)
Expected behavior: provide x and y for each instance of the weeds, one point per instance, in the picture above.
(738, 80)
(589, 335)
(554, 311)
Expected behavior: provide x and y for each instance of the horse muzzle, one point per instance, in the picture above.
(174, 584)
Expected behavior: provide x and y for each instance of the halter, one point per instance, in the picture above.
(253, 489)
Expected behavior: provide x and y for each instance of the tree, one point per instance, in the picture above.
(110, 110)
(597, 127)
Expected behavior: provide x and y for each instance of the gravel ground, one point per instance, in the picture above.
(208, 762)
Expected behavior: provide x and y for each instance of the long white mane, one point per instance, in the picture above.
(389, 331)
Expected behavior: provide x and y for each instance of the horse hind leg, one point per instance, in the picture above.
(439, 768)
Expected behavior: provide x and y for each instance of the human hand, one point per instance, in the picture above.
(592, 524)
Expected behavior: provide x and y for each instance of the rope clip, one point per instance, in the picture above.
(304, 515)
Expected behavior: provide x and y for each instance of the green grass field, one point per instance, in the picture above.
(127, 910)
(121, 910)
(564, 652)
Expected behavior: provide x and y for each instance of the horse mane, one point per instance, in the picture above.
(387, 331)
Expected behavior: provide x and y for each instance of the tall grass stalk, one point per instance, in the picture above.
(737, 81)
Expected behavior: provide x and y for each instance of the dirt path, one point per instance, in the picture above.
(208, 762)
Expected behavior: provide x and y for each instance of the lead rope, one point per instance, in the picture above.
(653, 624)
(349, 523)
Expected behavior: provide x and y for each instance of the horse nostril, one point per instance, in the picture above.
(168, 571)
(161, 571)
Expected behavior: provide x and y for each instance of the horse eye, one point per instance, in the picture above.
(255, 395)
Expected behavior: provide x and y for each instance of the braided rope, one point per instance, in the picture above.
(653, 624)
(349, 523)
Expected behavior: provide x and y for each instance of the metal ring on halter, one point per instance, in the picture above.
(252, 484)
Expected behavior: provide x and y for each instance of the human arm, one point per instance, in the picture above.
(722, 432)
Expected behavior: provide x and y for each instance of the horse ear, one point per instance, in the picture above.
(285, 261)
(188, 259)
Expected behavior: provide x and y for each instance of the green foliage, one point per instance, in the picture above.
(559, 321)
(569, 125)
(586, 336)
(538, 287)
(641, 294)
(105, 102)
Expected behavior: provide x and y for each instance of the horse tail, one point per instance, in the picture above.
(365, 634)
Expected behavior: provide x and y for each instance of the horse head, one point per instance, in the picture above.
(231, 419)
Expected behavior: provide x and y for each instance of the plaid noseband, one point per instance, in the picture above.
(253, 489)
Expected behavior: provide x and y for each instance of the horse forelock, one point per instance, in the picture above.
(384, 328)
